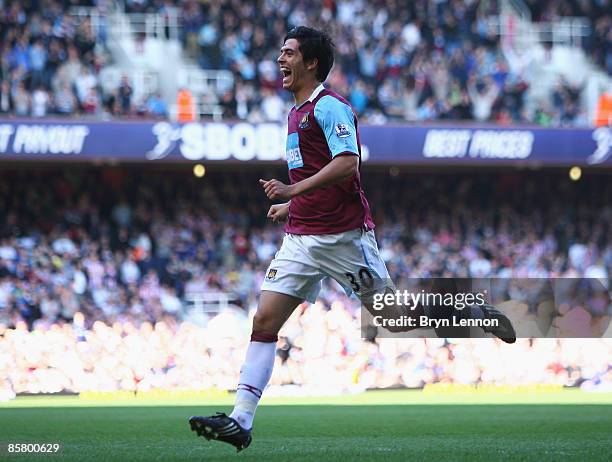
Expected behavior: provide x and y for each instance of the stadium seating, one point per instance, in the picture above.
(106, 274)
(117, 257)
(427, 61)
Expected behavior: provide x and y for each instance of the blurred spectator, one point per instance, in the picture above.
(69, 71)
(603, 116)
(186, 107)
(21, 100)
(156, 106)
(482, 94)
(6, 100)
(38, 62)
(91, 103)
(84, 83)
(65, 102)
(40, 102)
(272, 106)
(124, 94)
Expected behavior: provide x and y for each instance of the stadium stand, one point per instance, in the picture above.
(110, 267)
(106, 274)
(320, 350)
(456, 60)
(143, 248)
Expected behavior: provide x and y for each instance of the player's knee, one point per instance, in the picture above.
(264, 321)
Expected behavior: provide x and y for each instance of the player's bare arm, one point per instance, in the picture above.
(341, 168)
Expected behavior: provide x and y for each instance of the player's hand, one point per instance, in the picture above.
(276, 190)
(279, 212)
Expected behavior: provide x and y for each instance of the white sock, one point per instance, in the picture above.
(254, 376)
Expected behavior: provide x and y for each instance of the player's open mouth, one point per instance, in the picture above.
(286, 73)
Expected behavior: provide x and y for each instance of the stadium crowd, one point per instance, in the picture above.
(51, 61)
(418, 61)
(320, 352)
(97, 268)
(117, 241)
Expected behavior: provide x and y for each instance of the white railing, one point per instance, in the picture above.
(209, 301)
(147, 25)
(202, 82)
(567, 31)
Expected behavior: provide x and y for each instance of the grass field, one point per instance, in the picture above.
(375, 426)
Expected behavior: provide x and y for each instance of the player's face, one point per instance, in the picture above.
(291, 64)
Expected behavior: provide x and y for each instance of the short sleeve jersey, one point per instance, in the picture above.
(318, 130)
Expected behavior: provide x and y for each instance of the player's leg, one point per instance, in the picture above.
(374, 280)
(501, 328)
(274, 309)
(448, 312)
(353, 260)
(290, 279)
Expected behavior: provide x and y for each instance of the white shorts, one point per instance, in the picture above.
(303, 261)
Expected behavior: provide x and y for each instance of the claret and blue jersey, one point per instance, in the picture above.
(320, 129)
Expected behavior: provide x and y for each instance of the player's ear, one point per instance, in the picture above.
(312, 64)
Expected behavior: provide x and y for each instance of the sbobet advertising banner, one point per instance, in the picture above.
(161, 141)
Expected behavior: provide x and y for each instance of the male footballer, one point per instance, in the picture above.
(329, 228)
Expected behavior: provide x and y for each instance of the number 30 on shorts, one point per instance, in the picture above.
(365, 279)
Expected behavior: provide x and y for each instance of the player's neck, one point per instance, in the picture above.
(304, 93)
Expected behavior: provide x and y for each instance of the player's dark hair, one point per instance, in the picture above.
(314, 44)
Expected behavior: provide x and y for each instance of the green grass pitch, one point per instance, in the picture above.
(375, 426)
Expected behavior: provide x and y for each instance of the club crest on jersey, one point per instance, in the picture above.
(304, 123)
(342, 131)
(271, 274)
